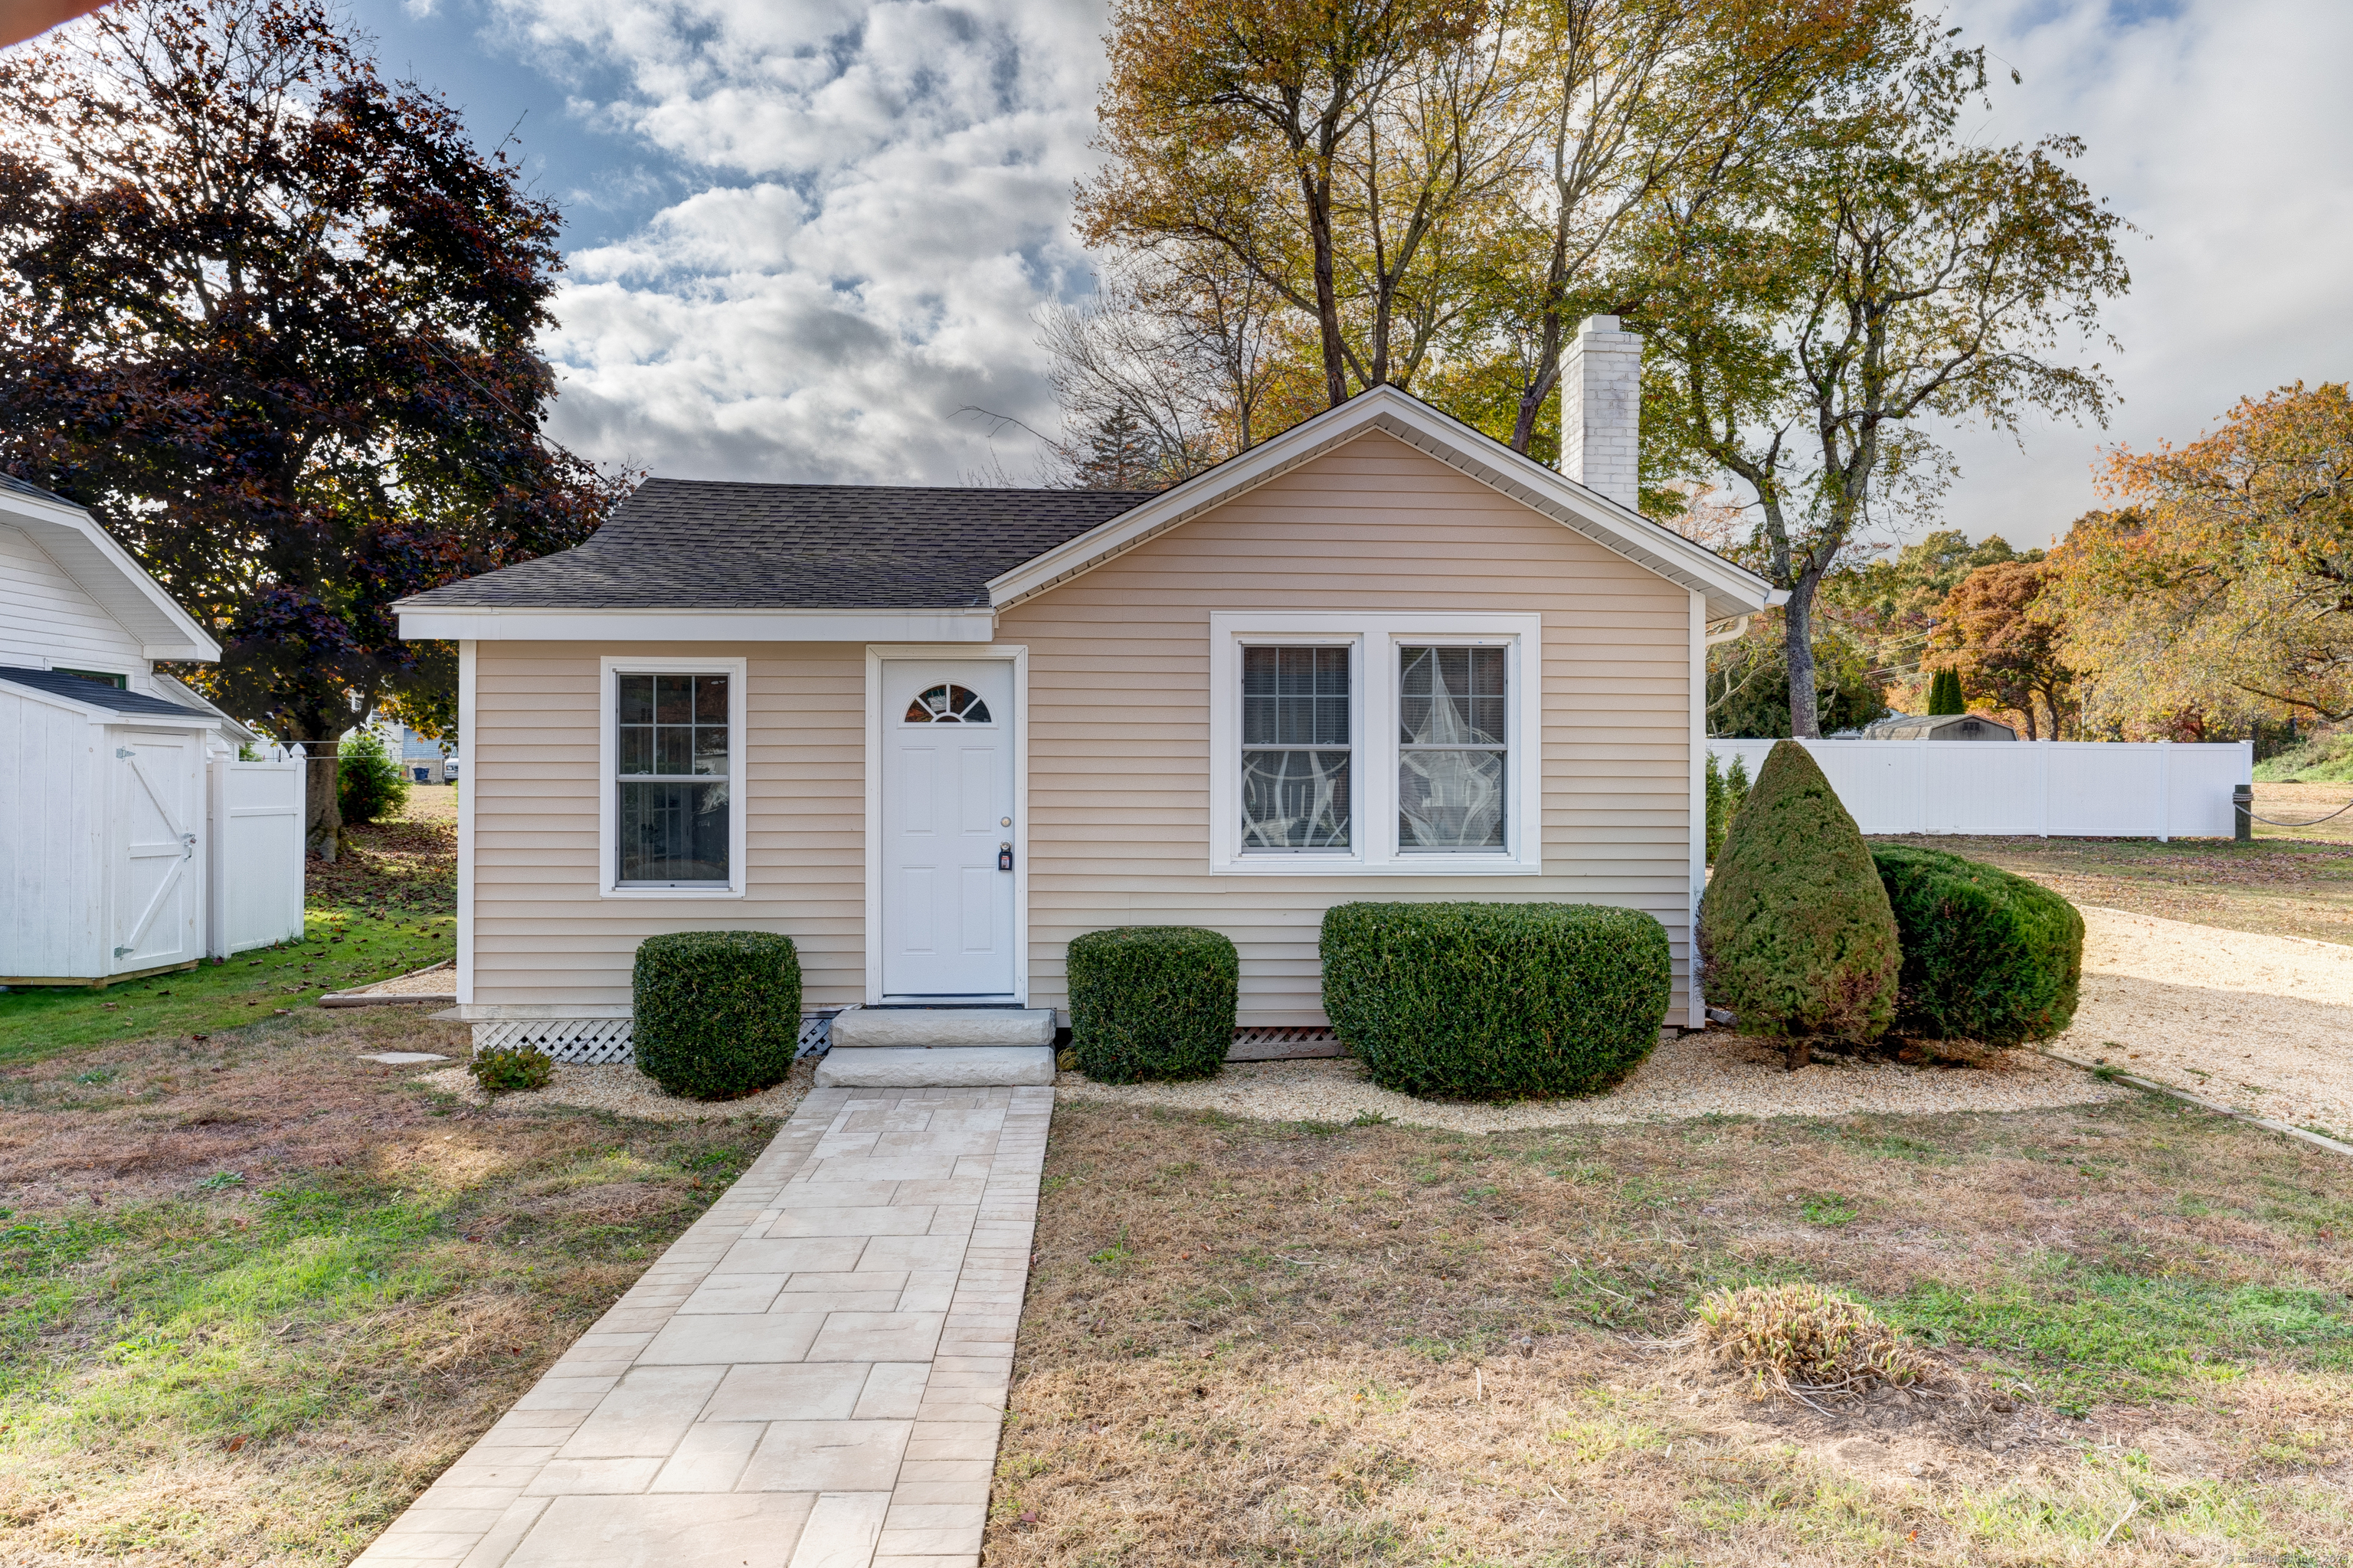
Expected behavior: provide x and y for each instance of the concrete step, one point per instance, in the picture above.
(873, 1028)
(936, 1066)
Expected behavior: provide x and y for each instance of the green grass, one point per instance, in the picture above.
(342, 946)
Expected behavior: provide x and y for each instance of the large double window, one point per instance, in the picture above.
(672, 775)
(1402, 743)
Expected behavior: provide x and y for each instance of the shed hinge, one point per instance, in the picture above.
(121, 951)
(118, 751)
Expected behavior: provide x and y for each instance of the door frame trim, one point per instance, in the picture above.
(877, 655)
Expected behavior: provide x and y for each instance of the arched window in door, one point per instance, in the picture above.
(947, 704)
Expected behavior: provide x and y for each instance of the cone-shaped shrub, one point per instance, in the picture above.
(1152, 1002)
(718, 1014)
(1987, 956)
(1795, 929)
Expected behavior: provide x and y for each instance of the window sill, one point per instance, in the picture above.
(670, 893)
(1420, 865)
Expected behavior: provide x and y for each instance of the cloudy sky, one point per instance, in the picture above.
(803, 234)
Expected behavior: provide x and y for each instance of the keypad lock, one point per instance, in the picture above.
(1005, 857)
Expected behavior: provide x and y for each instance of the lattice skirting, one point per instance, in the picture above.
(597, 1041)
(1318, 1035)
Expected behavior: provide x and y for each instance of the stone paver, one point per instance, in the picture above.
(813, 1376)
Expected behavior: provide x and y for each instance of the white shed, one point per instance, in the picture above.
(124, 846)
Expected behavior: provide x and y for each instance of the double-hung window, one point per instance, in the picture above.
(673, 812)
(1392, 743)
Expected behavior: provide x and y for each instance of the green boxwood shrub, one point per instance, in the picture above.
(1795, 933)
(1152, 1002)
(1987, 956)
(369, 785)
(1495, 1001)
(718, 1012)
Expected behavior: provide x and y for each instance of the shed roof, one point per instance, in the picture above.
(684, 543)
(98, 694)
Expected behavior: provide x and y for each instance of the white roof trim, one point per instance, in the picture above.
(586, 625)
(1729, 589)
(104, 570)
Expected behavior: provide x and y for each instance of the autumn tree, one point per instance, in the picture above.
(1245, 127)
(1879, 273)
(1892, 603)
(2001, 631)
(272, 322)
(2221, 588)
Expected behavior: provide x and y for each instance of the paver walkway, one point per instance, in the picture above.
(813, 1376)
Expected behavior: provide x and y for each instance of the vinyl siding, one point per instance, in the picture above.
(1118, 747)
(45, 619)
(541, 932)
(1119, 711)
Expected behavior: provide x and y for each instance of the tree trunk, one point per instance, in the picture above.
(1797, 628)
(323, 832)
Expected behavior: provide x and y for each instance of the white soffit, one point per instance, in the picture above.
(104, 570)
(632, 625)
(1728, 589)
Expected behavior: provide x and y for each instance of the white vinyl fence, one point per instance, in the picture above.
(255, 892)
(2053, 788)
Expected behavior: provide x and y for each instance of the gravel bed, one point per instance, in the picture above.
(441, 979)
(2262, 1023)
(624, 1091)
(1712, 1074)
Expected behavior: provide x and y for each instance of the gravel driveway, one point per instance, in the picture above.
(2265, 1023)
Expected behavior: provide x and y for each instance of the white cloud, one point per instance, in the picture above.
(890, 201)
(2219, 128)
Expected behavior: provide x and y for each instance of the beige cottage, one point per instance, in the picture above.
(933, 734)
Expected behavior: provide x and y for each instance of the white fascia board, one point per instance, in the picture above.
(104, 569)
(700, 625)
(1729, 590)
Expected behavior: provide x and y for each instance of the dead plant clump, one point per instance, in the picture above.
(1806, 1343)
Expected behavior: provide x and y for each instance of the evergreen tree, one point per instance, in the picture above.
(1120, 455)
(1944, 694)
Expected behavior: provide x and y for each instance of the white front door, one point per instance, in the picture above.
(155, 815)
(947, 829)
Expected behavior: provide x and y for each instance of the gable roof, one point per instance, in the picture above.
(103, 570)
(702, 560)
(1729, 589)
(98, 694)
(684, 543)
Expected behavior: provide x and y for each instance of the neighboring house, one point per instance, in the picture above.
(1942, 726)
(109, 770)
(932, 735)
(422, 761)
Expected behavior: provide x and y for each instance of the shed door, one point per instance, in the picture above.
(947, 829)
(154, 817)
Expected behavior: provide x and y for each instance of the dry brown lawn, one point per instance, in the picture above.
(1290, 1342)
(255, 1293)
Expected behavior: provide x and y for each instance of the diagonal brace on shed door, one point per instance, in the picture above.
(171, 878)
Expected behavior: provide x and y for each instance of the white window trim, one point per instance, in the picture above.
(608, 858)
(877, 655)
(1373, 639)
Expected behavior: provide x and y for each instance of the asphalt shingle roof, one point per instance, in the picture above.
(97, 693)
(680, 544)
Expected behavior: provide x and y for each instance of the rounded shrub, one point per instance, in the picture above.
(368, 783)
(718, 1014)
(1987, 955)
(1795, 932)
(1152, 1002)
(1495, 1001)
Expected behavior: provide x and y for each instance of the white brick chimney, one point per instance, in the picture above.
(1601, 409)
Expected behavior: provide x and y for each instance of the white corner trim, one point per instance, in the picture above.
(1731, 589)
(1695, 1008)
(610, 626)
(877, 655)
(71, 538)
(608, 669)
(1372, 638)
(467, 683)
